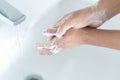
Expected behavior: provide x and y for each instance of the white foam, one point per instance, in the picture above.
(55, 51)
(40, 48)
(52, 47)
(49, 34)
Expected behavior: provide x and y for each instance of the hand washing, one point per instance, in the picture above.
(80, 28)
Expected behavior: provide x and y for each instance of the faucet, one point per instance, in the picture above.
(10, 14)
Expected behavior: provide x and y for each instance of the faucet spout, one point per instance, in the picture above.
(10, 14)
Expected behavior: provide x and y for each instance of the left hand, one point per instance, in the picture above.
(72, 38)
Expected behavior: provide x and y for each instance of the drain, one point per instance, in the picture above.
(34, 77)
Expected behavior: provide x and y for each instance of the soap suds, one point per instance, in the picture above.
(49, 34)
(53, 49)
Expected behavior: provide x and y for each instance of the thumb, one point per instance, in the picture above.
(63, 29)
(96, 24)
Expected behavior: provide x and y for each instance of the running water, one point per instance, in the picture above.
(12, 47)
(21, 35)
(19, 40)
(17, 49)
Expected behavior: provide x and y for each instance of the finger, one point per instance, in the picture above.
(42, 46)
(63, 20)
(44, 52)
(39, 45)
(63, 29)
(51, 38)
(60, 43)
(56, 50)
(45, 45)
(49, 32)
(95, 25)
(60, 22)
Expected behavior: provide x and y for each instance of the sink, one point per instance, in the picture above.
(81, 63)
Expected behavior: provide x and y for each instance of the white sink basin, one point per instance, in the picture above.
(82, 63)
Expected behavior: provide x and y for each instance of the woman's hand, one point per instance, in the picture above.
(89, 16)
(72, 38)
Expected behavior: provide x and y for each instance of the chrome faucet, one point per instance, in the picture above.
(10, 14)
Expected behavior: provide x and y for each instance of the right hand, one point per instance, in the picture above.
(89, 16)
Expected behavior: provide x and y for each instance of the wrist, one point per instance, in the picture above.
(111, 7)
(84, 35)
(88, 35)
(99, 13)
